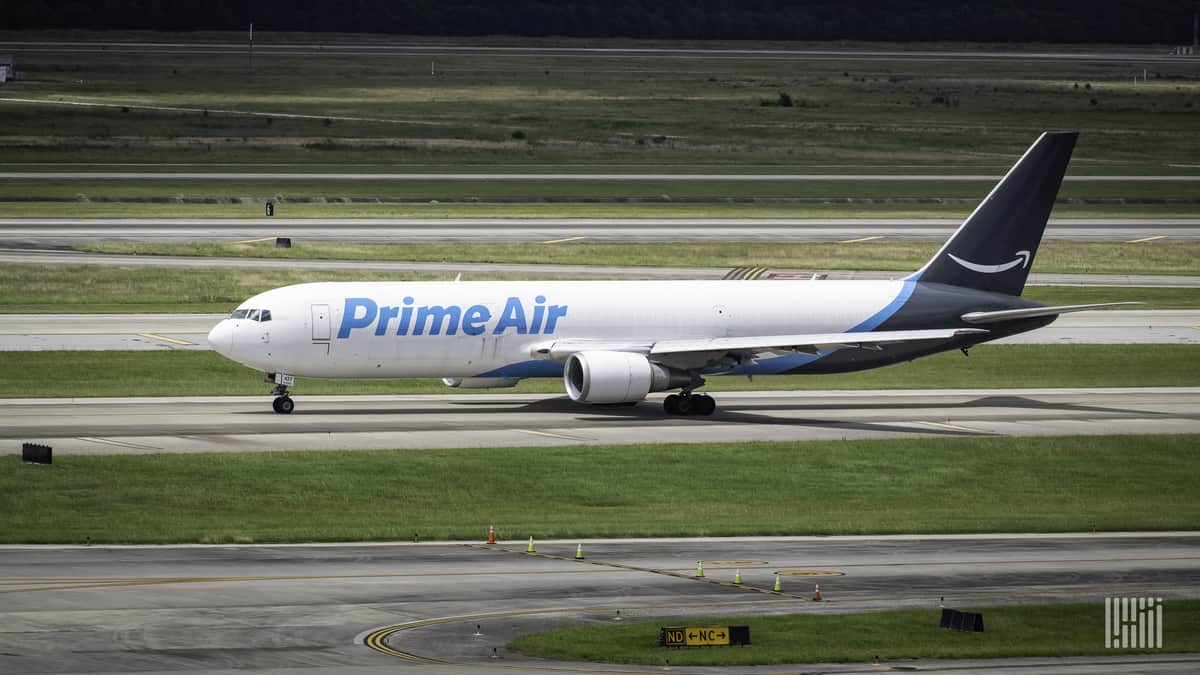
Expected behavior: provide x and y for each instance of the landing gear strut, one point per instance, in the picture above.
(689, 404)
(283, 404)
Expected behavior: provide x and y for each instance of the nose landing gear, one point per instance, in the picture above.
(283, 404)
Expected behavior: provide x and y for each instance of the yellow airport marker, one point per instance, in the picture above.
(560, 241)
(579, 552)
(737, 578)
(855, 241)
(700, 569)
(530, 549)
(253, 241)
(1145, 239)
(778, 586)
(173, 341)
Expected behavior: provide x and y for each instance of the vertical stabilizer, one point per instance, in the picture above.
(994, 248)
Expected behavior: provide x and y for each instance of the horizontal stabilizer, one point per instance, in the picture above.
(1034, 312)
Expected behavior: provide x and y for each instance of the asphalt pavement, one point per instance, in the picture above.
(489, 420)
(443, 608)
(46, 232)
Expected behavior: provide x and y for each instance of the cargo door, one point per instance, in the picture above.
(320, 322)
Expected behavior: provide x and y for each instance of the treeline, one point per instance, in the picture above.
(1063, 21)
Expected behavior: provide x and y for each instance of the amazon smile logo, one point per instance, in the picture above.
(1022, 259)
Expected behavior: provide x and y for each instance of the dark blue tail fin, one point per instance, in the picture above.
(994, 248)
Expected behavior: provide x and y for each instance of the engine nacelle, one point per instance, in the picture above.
(480, 382)
(616, 377)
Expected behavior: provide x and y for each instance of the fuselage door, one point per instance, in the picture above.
(723, 320)
(320, 322)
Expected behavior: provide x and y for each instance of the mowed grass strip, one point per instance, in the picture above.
(946, 484)
(298, 187)
(204, 373)
(1162, 257)
(433, 208)
(1034, 630)
(92, 289)
(904, 114)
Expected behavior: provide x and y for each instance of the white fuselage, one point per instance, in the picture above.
(481, 329)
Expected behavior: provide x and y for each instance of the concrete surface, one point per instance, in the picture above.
(246, 423)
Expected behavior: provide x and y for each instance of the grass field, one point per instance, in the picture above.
(545, 108)
(965, 193)
(433, 209)
(889, 486)
(168, 373)
(1062, 257)
(1034, 630)
(103, 289)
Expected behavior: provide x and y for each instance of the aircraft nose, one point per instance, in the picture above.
(220, 338)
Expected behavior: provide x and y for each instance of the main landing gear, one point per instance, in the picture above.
(283, 404)
(687, 403)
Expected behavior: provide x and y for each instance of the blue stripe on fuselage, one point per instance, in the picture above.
(526, 369)
(784, 364)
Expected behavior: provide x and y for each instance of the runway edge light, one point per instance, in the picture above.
(579, 552)
(530, 548)
(817, 593)
(778, 586)
(737, 577)
(699, 569)
(491, 535)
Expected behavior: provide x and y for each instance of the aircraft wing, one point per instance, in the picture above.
(810, 343)
(754, 346)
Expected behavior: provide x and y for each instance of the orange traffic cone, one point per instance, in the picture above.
(491, 535)
(817, 593)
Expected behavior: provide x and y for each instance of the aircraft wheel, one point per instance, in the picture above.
(704, 405)
(686, 405)
(671, 404)
(283, 405)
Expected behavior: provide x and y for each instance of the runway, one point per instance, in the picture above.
(443, 608)
(43, 232)
(246, 423)
(559, 177)
(640, 51)
(535, 271)
(135, 332)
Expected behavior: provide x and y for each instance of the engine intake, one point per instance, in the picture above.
(617, 377)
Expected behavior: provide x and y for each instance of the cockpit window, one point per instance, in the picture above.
(251, 314)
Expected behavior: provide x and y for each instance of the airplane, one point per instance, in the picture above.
(614, 342)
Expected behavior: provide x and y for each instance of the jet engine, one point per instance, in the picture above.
(617, 377)
(480, 382)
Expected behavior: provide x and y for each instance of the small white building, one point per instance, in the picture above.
(6, 68)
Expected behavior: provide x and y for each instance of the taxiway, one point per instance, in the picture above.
(42, 232)
(444, 608)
